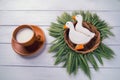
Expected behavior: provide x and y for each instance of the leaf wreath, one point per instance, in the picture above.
(71, 59)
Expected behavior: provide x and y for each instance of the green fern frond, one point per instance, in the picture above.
(84, 65)
(64, 18)
(98, 57)
(91, 59)
(75, 13)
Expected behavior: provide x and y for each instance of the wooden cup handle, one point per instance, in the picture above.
(38, 38)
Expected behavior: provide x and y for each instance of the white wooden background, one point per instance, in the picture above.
(42, 13)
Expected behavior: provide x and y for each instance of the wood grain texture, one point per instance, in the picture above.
(43, 12)
(60, 5)
(46, 73)
(46, 17)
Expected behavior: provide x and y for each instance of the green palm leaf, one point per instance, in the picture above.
(92, 61)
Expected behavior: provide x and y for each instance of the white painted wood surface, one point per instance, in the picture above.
(42, 13)
(45, 17)
(60, 5)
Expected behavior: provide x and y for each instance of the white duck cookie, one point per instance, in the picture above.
(80, 28)
(76, 37)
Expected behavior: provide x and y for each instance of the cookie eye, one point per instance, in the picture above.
(67, 23)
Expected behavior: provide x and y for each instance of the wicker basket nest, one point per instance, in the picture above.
(91, 45)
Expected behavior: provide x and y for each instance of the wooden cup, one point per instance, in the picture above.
(30, 41)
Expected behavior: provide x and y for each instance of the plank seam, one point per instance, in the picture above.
(67, 10)
(53, 66)
(37, 25)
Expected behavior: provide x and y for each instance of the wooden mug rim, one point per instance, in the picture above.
(27, 43)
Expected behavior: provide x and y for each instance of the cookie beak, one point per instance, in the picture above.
(74, 17)
(65, 27)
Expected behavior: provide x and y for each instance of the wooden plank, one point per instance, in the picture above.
(46, 17)
(43, 58)
(6, 35)
(9, 57)
(43, 73)
(59, 5)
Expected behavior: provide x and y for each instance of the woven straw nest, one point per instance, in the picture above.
(91, 45)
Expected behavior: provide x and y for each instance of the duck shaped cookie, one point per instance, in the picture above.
(76, 37)
(80, 28)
